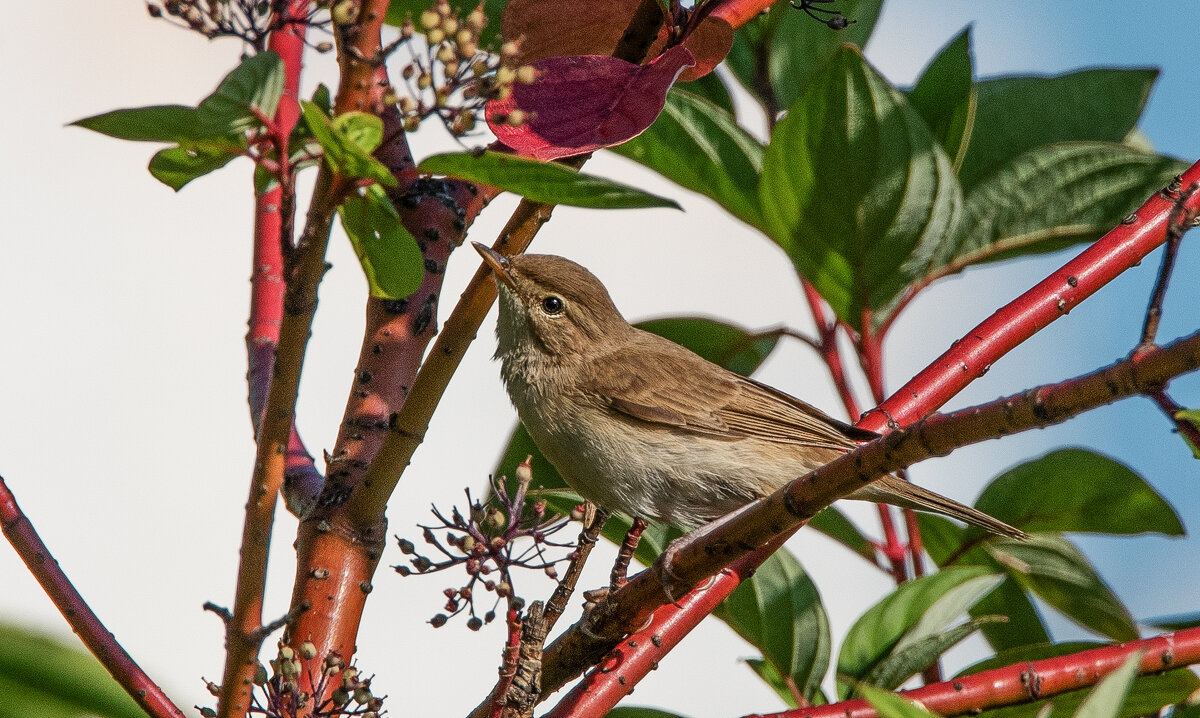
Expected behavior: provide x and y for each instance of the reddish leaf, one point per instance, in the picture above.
(594, 32)
(583, 103)
(710, 43)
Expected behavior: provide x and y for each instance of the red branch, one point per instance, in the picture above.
(1025, 682)
(266, 278)
(1121, 248)
(84, 622)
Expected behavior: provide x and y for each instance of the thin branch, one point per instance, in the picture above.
(1180, 222)
(583, 548)
(1172, 409)
(1029, 681)
(83, 620)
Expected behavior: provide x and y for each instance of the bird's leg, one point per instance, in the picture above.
(621, 568)
(666, 576)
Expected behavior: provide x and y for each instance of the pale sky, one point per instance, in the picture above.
(123, 425)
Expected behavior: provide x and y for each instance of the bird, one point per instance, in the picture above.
(636, 423)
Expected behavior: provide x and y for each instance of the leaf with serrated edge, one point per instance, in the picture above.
(542, 181)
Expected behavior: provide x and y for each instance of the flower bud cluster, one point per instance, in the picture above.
(494, 538)
(456, 75)
(250, 20)
(343, 692)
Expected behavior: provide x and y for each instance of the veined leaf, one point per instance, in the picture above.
(388, 253)
(340, 144)
(256, 84)
(1017, 114)
(160, 123)
(945, 97)
(176, 166)
(915, 656)
(795, 47)
(542, 181)
(853, 184)
(878, 632)
(1056, 571)
(1077, 490)
(1046, 199)
(699, 146)
(779, 611)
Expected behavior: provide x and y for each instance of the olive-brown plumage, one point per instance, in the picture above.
(638, 424)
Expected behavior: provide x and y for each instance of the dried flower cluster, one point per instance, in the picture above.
(454, 77)
(250, 20)
(489, 542)
(346, 692)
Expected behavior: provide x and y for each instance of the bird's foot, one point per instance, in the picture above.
(620, 570)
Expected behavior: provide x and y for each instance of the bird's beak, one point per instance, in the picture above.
(498, 263)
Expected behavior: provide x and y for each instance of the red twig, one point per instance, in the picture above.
(84, 622)
(1025, 682)
(1181, 220)
(1170, 408)
(1121, 248)
(508, 668)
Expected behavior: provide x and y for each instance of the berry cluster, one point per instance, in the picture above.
(455, 76)
(345, 692)
(250, 20)
(489, 543)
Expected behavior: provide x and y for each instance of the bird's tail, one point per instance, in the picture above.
(894, 490)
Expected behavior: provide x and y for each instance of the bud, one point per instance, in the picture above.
(516, 118)
(308, 651)
(260, 675)
(345, 12)
(474, 624)
(479, 68)
(450, 25)
(430, 20)
(208, 712)
(451, 68)
(407, 29)
(390, 97)
(412, 123)
(552, 572)
(477, 20)
(526, 75)
(497, 518)
(435, 36)
(406, 546)
(421, 563)
(438, 621)
(362, 695)
(510, 50)
(213, 688)
(340, 697)
(445, 54)
(286, 653)
(467, 50)
(505, 75)
(578, 512)
(504, 589)
(323, 47)
(154, 10)
(489, 616)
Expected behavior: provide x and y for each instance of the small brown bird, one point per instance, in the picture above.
(639, 424)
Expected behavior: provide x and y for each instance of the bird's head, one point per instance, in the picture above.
(551, 305)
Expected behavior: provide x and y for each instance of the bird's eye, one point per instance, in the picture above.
(552, 304)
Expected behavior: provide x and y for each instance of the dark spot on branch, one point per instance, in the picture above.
(393, 306)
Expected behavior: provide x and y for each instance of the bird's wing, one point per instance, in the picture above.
(663, 383)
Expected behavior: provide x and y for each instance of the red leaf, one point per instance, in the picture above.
(545, 30)
(583, 103)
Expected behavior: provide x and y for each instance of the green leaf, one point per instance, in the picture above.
(1017, 114)
(1174, 623)
(945, 97)
(1109, 695)
(41, 677)
(878, 632)
(907, 661)
(256, 84)
(1148, 695)
(1191, 416)
(176, 166)
(770, 675)
(890, 705)
(1056, 571)
(834, 524)
(340, 144)
(852, 184)
(712, 88)
(1077, 490)
(542, 181)
(362, 129)
(795, 47)
(388, 253)
(699, 146)
(160, 123)
(779, 611)
(322, 99)
(724, 344)
(1047, 199)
